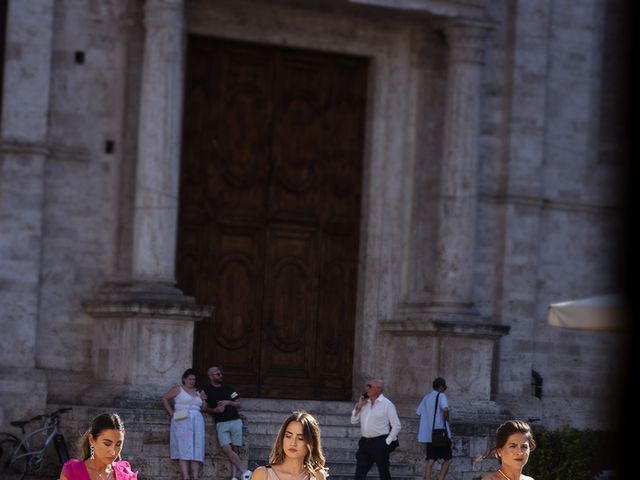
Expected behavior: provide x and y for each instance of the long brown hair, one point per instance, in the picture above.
(104, 421)
(314, 459)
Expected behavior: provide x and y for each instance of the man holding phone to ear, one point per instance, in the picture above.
(379, 426)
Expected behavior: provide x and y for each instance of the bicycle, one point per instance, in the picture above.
(19, 455)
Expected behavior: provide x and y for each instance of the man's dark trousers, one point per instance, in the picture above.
(370, 451)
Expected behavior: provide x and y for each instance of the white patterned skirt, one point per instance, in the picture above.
(187, 437)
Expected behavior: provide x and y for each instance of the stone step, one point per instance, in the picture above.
(327, 431)
(464, 411)
(266, 440)
(339, 436)
(285, 407)
(338, 424)
(147, 443)
(349, 468)
(331, 454)
(337, 457)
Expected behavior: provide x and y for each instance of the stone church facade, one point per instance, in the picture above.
(486, 178)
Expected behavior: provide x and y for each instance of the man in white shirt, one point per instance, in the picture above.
(379, 426)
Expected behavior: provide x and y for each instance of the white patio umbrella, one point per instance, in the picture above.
(603, 313)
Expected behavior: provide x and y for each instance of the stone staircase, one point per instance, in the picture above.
(147, 439)
(339, 437)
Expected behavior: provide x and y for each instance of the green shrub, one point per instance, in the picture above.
(569, 454)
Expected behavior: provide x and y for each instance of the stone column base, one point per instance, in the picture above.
(143, 341)
(417, 350)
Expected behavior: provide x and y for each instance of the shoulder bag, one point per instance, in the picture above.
(439, 436)
(183, 413)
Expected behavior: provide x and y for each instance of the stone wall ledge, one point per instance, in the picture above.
(146, 309)
(144, 299)
(474, 9)
(450, 327)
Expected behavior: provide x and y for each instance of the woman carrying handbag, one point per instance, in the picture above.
(186, 437)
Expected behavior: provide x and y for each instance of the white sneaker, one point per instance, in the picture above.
(246, 475)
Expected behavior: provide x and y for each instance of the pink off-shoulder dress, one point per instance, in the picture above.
(76, 469)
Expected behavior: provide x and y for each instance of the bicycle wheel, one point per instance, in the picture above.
(12, 461)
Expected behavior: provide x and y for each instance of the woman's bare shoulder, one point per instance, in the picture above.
(259, 473)
(321, 474)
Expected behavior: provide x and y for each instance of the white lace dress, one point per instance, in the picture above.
(187, 436)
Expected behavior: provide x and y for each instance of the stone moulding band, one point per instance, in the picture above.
(147, 309)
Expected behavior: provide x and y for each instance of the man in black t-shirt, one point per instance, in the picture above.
(223, 404)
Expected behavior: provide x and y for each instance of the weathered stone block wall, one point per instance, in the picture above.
(547, 217)
(23, 153)
(549, 223)
(84, 176)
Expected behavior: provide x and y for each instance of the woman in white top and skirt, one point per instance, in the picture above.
(186, 437)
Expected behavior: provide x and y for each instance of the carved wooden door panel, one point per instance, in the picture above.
(270, 214)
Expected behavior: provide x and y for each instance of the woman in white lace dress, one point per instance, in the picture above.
(187, 424)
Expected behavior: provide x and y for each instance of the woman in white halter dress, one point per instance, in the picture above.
(186, 438)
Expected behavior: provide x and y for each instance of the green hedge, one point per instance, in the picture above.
(570, 454)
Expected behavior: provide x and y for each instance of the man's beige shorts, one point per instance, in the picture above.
(230, 432)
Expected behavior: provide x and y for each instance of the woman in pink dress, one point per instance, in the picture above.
(100, 453)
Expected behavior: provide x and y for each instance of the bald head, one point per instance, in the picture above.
(375, 387)
(377, 382)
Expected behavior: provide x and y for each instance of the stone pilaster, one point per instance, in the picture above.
(448, 337)
(157, 175)
(145, 326)
(458, 179)
(23, 155)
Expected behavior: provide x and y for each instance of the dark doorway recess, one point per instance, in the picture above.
(269, 215)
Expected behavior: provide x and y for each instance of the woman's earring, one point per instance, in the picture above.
(92, 452)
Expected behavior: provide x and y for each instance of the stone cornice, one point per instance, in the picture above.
(98, 308)
(159, 14)
(550, 203)
(456, 8)
(64, 152)
(431, 327)
(58, 152)
(25, 148)
(140, 299)
(466, 39)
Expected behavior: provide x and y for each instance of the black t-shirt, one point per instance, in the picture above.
(223, 392)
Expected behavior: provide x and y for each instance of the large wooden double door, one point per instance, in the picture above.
(270, 214)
